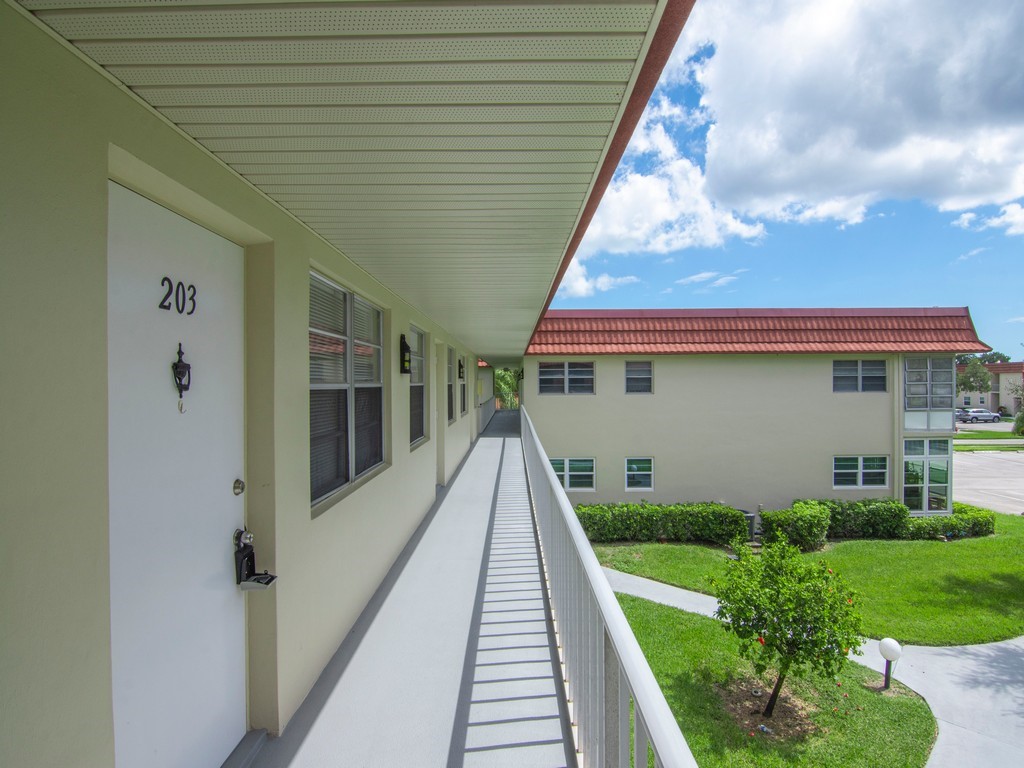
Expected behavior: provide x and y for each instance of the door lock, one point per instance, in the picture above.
(238, 488)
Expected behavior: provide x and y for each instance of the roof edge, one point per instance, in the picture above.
(597, 314)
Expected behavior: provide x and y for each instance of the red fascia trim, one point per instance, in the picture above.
(664, 41)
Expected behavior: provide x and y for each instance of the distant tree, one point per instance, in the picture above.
(506, 386)
(993, 357)
(965, 359)
(790, 614)
(974, 379)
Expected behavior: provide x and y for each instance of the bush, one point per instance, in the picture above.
(702, 521)
(1018, 423)
(805, 525)
(866, 519)
(965, 522)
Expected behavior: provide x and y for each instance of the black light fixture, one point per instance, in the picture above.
(462, 370)
(404, 356)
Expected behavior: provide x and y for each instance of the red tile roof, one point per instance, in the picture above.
(997, 367)
(754, 331)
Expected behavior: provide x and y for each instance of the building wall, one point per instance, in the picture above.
(999, 394)
(67, 129)
(748, 430)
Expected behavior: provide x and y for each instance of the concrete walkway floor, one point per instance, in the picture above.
(453, 662)
(976, 692)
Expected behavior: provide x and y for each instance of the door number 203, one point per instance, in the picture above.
(183, 296)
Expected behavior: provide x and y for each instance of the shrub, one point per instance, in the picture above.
(805, 524)
(701, 521)
(965, 522)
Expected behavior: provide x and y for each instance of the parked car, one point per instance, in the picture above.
(960, 414)
(979, 414)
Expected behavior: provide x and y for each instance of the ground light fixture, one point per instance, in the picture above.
(891, 652)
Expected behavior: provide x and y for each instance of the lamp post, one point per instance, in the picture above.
(891, 652)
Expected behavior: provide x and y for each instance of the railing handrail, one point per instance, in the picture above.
(669, 744)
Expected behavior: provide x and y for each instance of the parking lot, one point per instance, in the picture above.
(994, 480)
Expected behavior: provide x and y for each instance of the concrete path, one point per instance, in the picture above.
(453, 662)
(976, 692)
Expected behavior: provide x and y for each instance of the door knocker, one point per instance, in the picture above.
(182, 376)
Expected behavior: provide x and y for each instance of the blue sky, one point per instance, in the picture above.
(808, 154)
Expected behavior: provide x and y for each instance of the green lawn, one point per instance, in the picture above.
(693, 658)
(918, 592)
(973, 448)
(983, 434)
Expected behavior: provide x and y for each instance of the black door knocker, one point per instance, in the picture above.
(182, 373)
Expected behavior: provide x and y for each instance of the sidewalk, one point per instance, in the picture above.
(976, 692)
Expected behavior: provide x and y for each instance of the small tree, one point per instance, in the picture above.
(974, 379)
(793, 615)
(993, 357)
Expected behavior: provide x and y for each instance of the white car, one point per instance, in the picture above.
(974, 415)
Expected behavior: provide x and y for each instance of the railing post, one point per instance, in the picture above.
(616, 741)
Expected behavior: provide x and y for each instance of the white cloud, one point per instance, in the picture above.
(663, 211)
(576, 283)
(1011, 219)
(700, 277)
(723, 281)
(1016, 320)
(971, 254)
(965, 220)
(822, 109)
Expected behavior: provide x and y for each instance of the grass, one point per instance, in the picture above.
(693, 658)
(919, 592)
(983, 434)
(973, 448)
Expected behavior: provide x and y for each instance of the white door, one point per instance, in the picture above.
(176, 617)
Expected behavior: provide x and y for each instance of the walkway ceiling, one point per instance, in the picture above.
(451, 149)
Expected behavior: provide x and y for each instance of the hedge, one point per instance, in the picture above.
(889, 519)
(805, 524)
(702, 521)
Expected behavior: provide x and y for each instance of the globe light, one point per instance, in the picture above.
(891, 651)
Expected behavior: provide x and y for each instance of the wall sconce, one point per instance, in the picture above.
(462, 370)
(404, 355)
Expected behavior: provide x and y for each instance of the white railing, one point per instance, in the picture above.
(603, 665)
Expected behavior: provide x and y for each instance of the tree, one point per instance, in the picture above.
(974, 379)
(790, 614)
(993, 357)
(506, 386)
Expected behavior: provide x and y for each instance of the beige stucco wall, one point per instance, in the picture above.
(748, 430)
(1000, 394)
(60, 120)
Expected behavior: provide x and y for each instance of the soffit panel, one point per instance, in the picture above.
(448, 148)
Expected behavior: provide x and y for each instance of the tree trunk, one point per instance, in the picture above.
(770, 706)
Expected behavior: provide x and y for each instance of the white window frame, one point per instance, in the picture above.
(863, 373)
(934, 383)
(451, 386)
(350, 384)
(967, 401)
(936, 450)
(860, 471)
(463, 403)
(634, 472)
(571, 370)
(565, 476)
(640, 377)
(417, 380)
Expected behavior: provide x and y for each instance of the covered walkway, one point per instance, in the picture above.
(453, 661)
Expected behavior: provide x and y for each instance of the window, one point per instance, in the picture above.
(860, 471)
(574, 474)
(926, 475)
(639, 474)
(346, 392)
(463, 374)
(981, 399)
(417, 375)
(929, 382)
(967, 399)
(639, 376)
(566, 378)
(858, 376)
(451, 385)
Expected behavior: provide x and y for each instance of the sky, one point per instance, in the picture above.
(799, 153)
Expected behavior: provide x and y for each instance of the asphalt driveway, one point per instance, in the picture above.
(993, 480)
